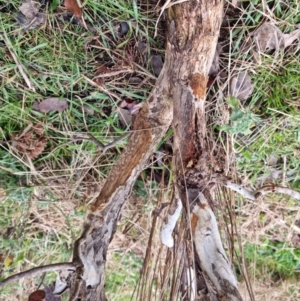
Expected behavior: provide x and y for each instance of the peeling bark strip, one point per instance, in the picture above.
(210, 250)
(193, 29)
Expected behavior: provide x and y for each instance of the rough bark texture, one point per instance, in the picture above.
(194, 33)
(193, 29)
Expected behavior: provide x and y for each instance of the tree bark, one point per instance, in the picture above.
(194, 161)
(193, 29)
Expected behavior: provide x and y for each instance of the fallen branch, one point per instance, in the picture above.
(38, 270)
(254, 195)
(100, 145)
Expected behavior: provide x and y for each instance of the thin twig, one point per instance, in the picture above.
(254, 195)
(103, 147)
(101, 88)
(113, 73)
(38, 270)
(12, 53)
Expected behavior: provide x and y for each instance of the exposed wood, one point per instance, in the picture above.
(90, 249)
(38, 270)
(193, 29)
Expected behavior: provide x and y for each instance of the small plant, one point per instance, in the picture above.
(241, 120)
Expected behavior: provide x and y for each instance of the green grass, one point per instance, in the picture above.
(47, 197)
(266, 145)
(273, 259)
(122, 276)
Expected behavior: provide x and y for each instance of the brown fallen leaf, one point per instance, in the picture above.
(50, 104)
(31, 141)
(73, 7)
(38, 129)
(37, 147)
(37, 295)
(241, 86)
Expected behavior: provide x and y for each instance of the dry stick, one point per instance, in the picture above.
(103, 147)
(254, 195)
(38, 270)
(101, 88)
(24, 75)
(113, 73)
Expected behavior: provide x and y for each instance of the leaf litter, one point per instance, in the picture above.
(50, 104)
(37, 295)
(31, 142)
(29, 16)
(270, 37)
(127, 110)
(73, 7)
(241, 86)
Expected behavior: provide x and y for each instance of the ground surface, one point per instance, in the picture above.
(63, 76)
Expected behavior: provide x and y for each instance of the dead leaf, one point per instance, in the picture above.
(38, 129)
(37, 147)
(157, 64)
(125, 117)
(73, 7)
(29, 9)
(241, 86)
(51, 104)
(291, 37)
(29, 15)
(37, 295)
(31, 141)
(268, 37)
(128, 108)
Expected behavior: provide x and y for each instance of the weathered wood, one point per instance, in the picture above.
(194, 32)
(193, 29)
(90, 249)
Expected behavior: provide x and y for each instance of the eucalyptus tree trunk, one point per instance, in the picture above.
(178, 99)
